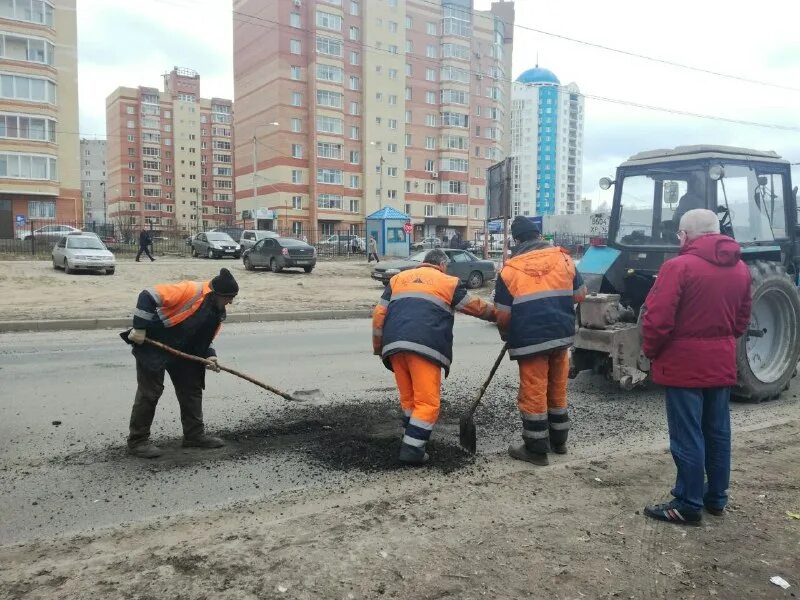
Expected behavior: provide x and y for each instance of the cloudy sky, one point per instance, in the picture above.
(120, 44)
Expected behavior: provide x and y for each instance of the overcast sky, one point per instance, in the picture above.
(123, 44)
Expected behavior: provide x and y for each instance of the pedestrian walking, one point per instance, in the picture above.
(187, 316)
(535, 298)
(412, 332)
(697, 308)
(373, 250)
(145, 241)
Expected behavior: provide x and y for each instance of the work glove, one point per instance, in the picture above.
(212, 364)
(137, 336)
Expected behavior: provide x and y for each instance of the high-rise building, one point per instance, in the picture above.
(93, 180)
(377, 103)
(547, 143)
(585, 206)
(39, 141)
(170, 159)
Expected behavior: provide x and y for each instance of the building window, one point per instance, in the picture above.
(294, 46)
(354, 83)
(392, 148)
(330, 176)
(392, 27)
(329, 21)
(355, 157)
(391, 194)
(35, 89)
(354, 132)
(329, 124)
(28, 128)
(354, 9)
(41, 209)
(392, 73)
(295, 73)
(297, 202)
(329, 99)
(429, 166)
(409, 47)
(392, 123)
(355, 182)
(408, 162)
(329, 201)
(32, 11)
(430, 189)
(329, 73)
(355, 34)
(297, 151)
(355, 58)
(391, 171)
(297, 99)
(430, 74)
(431, 28)
(297, 125)
(430, 120)
(329, 46)
(294, 20)
(354, 108)
(297, 176)
(329, 150)
(354, 205)
(27, 166)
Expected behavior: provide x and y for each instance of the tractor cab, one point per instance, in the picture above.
(751, 193)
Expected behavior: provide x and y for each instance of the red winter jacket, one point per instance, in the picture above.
(697, 308)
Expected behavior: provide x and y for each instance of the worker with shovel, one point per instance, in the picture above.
(535, 298)
(412, 332)
(185, 316)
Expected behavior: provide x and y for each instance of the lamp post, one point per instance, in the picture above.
(255, 156)
(380, 172)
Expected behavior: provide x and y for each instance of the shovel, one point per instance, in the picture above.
(467, 436)
(306, 395)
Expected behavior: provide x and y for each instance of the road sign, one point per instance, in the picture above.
(20, 219)
(408, 227)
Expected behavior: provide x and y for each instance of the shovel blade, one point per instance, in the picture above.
(467, 435)
(308, 395)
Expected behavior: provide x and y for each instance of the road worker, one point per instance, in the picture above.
(186, 316)
(534, 299)
(412, 332)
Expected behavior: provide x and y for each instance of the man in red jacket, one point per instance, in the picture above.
(697, 308)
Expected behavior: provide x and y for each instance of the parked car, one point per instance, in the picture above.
(251, 236)
(470, 269)
(215, 244)
(280, 253)
(82, 252)
(429, 243)
(343, 243)
(52, 232)
(234, 232)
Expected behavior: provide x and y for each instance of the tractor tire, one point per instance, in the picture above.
(768, 361)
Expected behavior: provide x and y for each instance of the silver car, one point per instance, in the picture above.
(215, 244)
(251, 236)
(82, 252)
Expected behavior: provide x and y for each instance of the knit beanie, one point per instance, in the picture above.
(224, 284)
(523, 228)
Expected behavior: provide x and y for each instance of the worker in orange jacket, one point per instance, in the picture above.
(186, 316)
(535, 298)
(412, 332)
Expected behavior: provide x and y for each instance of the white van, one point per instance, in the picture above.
(251, 236)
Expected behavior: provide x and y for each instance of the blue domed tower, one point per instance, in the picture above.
(539, 75)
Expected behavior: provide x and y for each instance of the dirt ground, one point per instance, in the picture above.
(571, 530)
(40, 292)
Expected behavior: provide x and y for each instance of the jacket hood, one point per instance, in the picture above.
(717, 249)
(535, 258)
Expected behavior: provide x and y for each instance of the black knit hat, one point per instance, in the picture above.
(523, 228)
(224, 284)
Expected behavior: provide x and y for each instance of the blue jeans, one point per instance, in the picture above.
(700, 441)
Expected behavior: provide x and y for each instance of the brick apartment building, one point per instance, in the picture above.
(170, 158)
(93, 181)
(39, 140)
(377, 103)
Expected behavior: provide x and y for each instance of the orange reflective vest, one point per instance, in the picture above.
(169, 304)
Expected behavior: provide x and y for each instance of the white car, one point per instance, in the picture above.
(251, 236)
(51, 232)
(82, 252)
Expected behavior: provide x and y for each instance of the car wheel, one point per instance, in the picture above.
(308, 269)
(210, 253)
(67, 270)
(110, 271)
(194, 252)
(55, 266)
(273, 266)
(475, 280)
(248, 265)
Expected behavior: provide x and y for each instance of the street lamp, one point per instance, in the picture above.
(255, 156)
(380, 188)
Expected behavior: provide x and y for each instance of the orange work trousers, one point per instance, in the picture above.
(419, 382)
(542, 399)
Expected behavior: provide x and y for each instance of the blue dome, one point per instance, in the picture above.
(538, 75)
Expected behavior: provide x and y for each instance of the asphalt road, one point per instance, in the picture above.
(74, 475)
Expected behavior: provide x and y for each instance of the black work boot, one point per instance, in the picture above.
(145, 450)
(411, 455)
(204, 441)
(521, 452)
(560, 448)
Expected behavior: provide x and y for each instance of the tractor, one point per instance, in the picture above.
(751, 193)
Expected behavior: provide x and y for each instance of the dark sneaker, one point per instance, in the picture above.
(206, 441)
(520, 452)
(560, 448)
(146, 450)
(717, 512)
(670, 513)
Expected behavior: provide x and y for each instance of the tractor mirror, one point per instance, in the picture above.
(716, 172)
(606, 183)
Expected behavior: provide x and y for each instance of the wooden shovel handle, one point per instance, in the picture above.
(486, 383)
(211, 363)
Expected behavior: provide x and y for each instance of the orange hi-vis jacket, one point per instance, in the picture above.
(416, 314)
(535, 298)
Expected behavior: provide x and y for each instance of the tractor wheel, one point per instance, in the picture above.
(767, 355)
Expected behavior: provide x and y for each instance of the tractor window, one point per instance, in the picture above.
(755, 202)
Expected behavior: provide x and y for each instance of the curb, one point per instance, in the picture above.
(111, 323)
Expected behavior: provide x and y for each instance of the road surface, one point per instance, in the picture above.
(66, 401)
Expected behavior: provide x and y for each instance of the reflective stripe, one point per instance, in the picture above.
(143, 314)
(548, 345)
(418, 348)
(537, 435)
(383, 302)
(423, 296)
(421, 424)
(155, 295)
(169, 322)
(407, 413)
(533, 416)
(413, 442)
(502, 307)
(464, 301)
(557, 411)
(559, 426)
(542, 295)
(377, 332)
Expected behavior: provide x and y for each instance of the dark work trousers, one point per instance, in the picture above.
(146, 250)
(188, 381)
(373, 255)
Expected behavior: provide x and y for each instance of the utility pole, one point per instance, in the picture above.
(255, 157)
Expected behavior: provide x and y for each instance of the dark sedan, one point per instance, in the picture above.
(280, 253)
(470, 269)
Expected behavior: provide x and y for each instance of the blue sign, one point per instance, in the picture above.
(495, 226)
(20, 219)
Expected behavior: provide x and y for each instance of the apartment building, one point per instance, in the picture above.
(547, 142)
(93, 180)
(347, 106)
(39, 141)
(170, 157)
